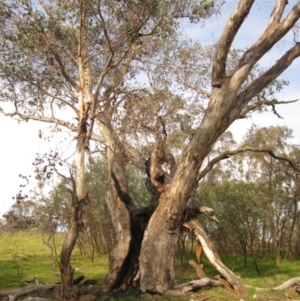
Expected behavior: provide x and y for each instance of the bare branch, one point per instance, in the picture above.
(243, 149)
(277, 11)
(54, 120)
(89, 58)
(104, 28)
(234, 23)
(264, 102)
(265, 79)
(269, 38)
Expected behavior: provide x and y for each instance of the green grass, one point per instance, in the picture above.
(270, 276)
(24, 256)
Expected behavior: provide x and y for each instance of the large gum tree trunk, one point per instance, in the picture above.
(228, 102)
(157, 273)
(129, 230)
(129, 224)
(121, 223)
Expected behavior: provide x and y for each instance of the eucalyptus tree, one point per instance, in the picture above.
(256, 198)
(229, 100)
(277, 182)
(240, 206)
(94, 53)
(61, 60)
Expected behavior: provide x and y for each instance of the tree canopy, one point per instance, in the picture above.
(119, 73)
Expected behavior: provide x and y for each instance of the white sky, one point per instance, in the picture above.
(20, 142)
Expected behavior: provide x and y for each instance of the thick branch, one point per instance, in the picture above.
(135, 156)
(287, 284)
(27, 290)
(281, 287)
(228, 154)
(198, 267)
(265, 79)
(277, 11)
(200, 283)
(234, 23)
(269, 38)
(123, 195)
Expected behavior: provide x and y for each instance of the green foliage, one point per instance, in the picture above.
(137, 188)
(255, 198)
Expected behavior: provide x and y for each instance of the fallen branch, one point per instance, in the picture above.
(23, 291)
(200, 283)
(198, 268)
(287, 284)
(13, 294)
(233, 281)
(281, 287)
(35, 299)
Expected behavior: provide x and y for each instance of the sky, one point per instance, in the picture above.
(20, 142)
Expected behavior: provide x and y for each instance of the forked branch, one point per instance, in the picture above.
(243, 149)
(277, 12)
(269, 38)
(234, 23)
(266, 78)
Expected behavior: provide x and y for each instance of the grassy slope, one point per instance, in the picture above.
(24, 256)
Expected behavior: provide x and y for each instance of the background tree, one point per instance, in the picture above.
(255, 200)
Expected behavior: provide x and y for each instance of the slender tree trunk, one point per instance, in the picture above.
(67, 272)
(79, 195)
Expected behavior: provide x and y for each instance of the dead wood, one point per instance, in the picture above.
(23, 291)
(281, 287)
(287, 284)
(233, 281)
(35, 299)
(225, 283)
(34, 288)
(27, 290)
(198, 268)
(199, 250)
(200, 283)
